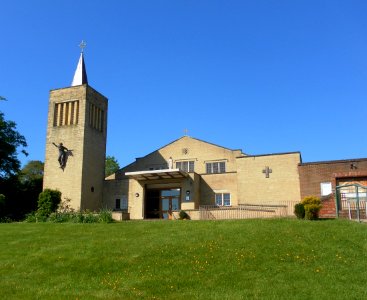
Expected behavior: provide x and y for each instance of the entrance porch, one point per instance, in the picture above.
(161, 194)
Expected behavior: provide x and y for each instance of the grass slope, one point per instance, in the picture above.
(271, 259)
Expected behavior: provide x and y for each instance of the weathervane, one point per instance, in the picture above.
(82, 45)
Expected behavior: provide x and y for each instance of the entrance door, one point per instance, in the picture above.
(170, 201)
(160, 203)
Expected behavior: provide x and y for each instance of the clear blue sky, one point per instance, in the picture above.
(262, 76)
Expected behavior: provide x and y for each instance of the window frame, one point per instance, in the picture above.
(121, 202)
(189, 166)
(222, 199)
(326, 188)
(215, 167)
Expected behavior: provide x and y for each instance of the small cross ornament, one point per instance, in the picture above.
(82, 45)
(267, 172)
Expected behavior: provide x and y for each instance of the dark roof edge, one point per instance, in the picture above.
(271, 154)
(333, 161)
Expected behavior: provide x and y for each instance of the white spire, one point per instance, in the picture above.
(80, 76)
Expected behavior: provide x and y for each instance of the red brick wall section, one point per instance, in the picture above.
(328, 209)
(313, 174)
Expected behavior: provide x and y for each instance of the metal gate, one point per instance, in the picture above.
(351, 199)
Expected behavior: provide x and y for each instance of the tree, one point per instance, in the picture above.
(10, 140)
(32, 171)
(15, 199)
(31, 182)
(112, 165)
(48, 202)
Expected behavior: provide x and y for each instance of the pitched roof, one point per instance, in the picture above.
(80, 76)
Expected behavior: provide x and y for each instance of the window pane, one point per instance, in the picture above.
(222, 167)
(208, 168)
(226, 199)
(215, 168)
(117, 204)
(218, 199)
(326, 188)
(191, 166)
(124, 202)
(178, 165)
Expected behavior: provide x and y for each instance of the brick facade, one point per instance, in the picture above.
(336, 172)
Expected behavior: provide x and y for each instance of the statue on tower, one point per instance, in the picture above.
(63, 155)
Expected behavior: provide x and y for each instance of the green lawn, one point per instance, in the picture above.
(261, 259)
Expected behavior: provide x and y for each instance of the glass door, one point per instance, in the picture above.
(170, 201)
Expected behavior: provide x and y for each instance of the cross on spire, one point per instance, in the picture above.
(80, 75)
(267, 171)
(186, 131)
(82, 45)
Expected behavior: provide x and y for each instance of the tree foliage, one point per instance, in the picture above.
(10, 140)
(48, 202)
(32, 171)
(112, 165)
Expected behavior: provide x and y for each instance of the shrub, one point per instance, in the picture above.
(89, 217)
(31, 218)
(299, 211)
(57, 217)
(5, 220)
(105, 216)
(48, 202)
(183, 215)
(2, 201)
(65, 206)
(312, 205)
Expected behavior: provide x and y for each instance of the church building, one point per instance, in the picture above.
(187, 174)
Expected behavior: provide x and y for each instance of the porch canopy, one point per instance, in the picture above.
(157, 174)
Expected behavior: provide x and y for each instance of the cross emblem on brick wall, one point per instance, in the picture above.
(267, 171)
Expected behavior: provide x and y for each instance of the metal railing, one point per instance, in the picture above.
(351, 198)
(247, 211)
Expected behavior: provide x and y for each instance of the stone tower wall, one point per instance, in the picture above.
(94, 154)
(82, 179)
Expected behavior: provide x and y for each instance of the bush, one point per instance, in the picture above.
(5, 220)
(299, 211)
(48, 202)
(31, 218)
(2, 201)
(183, 215)
(57, 217)
(105, 216)
(90, 217)
(312, 205)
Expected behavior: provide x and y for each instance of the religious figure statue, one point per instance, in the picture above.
(63, 154)
(170, 163)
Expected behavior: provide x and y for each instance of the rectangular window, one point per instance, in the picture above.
(326, 188)
(216, 167)
(223, 199)
(121, 204)
(124, 202)
(118, 204)
(186, 166)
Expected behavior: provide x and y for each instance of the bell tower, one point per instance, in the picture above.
(76, 141)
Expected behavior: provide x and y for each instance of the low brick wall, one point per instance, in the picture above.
(328, 209)
(120, 216)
